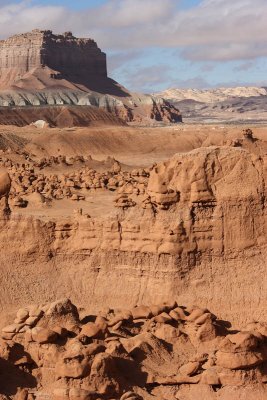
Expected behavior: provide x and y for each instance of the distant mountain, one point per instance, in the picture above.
(212, 95)
(238, 104)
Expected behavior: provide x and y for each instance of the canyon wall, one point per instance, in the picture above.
(199, 235)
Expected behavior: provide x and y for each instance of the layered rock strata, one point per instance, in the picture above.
(196, 232)
(69, 56)
(43, 69)
(22, 108)
(65, 116)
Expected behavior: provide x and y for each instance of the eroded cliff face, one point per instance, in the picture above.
(139, 109)
(198, 234)
(18, 55)
(40, 68)
(68, 56)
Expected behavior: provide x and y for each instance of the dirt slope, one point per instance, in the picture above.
(60, 116)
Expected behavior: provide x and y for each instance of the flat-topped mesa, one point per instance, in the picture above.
(40, 68)
(67, 55)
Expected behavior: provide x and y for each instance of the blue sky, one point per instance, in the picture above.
(156, 44)
(76, 5)
(80, 4)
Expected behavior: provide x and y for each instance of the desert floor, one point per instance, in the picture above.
(133, 147)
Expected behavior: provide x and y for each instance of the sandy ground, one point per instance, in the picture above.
(133, 147)
(97, 203)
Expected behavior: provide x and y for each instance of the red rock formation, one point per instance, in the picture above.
(40, 68)
(5, 185)
(49, 351)
(197, 232)
(71, 58)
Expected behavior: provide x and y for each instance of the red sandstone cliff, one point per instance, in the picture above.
(197, 234)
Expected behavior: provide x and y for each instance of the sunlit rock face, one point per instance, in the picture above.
(68, 56)
(40, 68)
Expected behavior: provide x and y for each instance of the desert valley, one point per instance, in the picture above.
(133, 232)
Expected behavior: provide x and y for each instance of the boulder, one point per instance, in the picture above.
(93, 331)
(190, 368)
(167, 333)
(140, 312)
(72, 367)
(43, 335)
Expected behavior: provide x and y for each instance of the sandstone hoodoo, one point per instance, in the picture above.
(161, 351)
(43, 69)
(5, 185)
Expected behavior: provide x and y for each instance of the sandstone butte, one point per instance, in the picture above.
(130, 279)
(41, 69)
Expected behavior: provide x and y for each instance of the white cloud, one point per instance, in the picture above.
(213, 31)
(196, 82)
(245, 66)
(117, 59)
(147, 78)
(131, 13)
(22, 17)
(225, 52)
